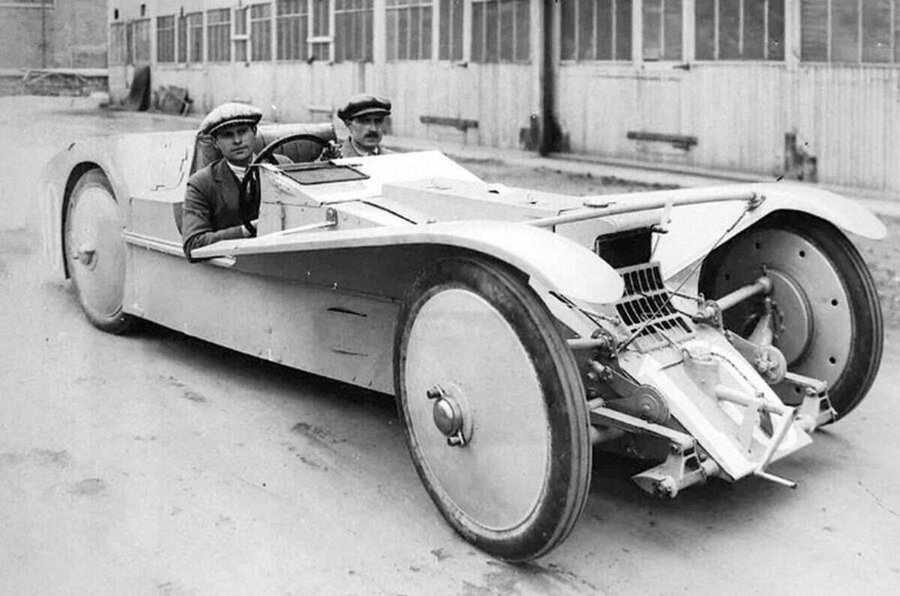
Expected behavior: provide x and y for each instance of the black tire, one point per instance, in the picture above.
(456, 350)
(95, 252)
(832, 329)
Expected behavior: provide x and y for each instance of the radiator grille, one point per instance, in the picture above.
(646, 299)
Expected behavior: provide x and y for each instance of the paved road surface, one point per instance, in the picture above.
(158, 464)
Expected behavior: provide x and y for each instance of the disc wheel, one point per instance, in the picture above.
(95, 252)
(828, 321)
(493, 408)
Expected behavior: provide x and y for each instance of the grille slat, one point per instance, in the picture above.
(646, 298)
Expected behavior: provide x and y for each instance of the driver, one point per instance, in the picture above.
(211, 208)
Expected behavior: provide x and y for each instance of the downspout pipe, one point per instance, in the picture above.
(550, 133)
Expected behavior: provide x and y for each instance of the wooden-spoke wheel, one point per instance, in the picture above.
(95, 252)
(827, 319)
(493, 408)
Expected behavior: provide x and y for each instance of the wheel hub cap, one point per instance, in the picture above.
(448, 416)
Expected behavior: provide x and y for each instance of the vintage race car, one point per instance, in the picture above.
(707, 332)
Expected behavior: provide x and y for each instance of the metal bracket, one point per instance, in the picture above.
(816, 409)
(683, 466)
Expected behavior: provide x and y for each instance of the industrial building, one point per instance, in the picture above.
(797, 88)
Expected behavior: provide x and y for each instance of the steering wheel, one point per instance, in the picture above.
(248, 194)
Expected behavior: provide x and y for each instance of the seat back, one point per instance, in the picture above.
(297, 151)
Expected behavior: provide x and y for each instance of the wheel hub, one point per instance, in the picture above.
(795, 310)
(86, 255)
(449, 416)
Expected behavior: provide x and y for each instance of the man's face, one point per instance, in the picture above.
(366, 131)
(236, 143)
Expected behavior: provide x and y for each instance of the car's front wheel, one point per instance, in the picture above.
(493, 408)
(95, 252)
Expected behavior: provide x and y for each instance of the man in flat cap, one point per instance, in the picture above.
(364, 116)
(211, 208)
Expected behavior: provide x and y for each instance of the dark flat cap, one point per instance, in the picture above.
(364, 104)
(229, 114)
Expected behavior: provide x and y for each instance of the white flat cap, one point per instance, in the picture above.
(229, 114)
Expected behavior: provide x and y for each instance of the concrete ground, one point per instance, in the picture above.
(158, 464)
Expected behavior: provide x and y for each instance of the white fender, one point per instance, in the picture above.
(557, 263)
(695, 230)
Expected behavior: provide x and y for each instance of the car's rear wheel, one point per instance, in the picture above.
(95, 252)
(493, 408)
(828, 316)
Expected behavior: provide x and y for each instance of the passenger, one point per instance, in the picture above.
(364, 117)
(211, 210)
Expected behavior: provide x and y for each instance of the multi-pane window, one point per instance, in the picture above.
(291, 28)
(353, 29)
(261, 32)
(141, 39)
(182, 39)
(739, 29)
(218, 32)
(596, 30)
(662, 29)
(195, 37)
(165, 39)
(240, 37)
(321, 29)
(850, 31)
(117, 43)
(500, 30)
(451, 34)
(408, 29)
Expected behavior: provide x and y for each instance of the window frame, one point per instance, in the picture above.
(769, 41)
(261, 23)
(193, 40)
(620, 19)
(218, 35)
(425, 17)
(357, 17)
(489, 49)
(165, 39)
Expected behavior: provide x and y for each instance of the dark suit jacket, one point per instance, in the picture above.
(210, 211)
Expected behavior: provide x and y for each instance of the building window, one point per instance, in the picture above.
(218, 35)
(240, 37)
(850, 31)
(500, 31)
(292, 22)
(409, 29)
(165, 39)
(182, 39)
(195, 37)
(596, 30)
(353, 29)
(739, 29)
(261, 32)
(320, 42)
(138, 40)
(117, 43)
(450, 40)
(662, 29)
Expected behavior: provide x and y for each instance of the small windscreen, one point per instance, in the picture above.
(321, 173)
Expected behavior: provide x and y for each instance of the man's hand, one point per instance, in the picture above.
(247, 232)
